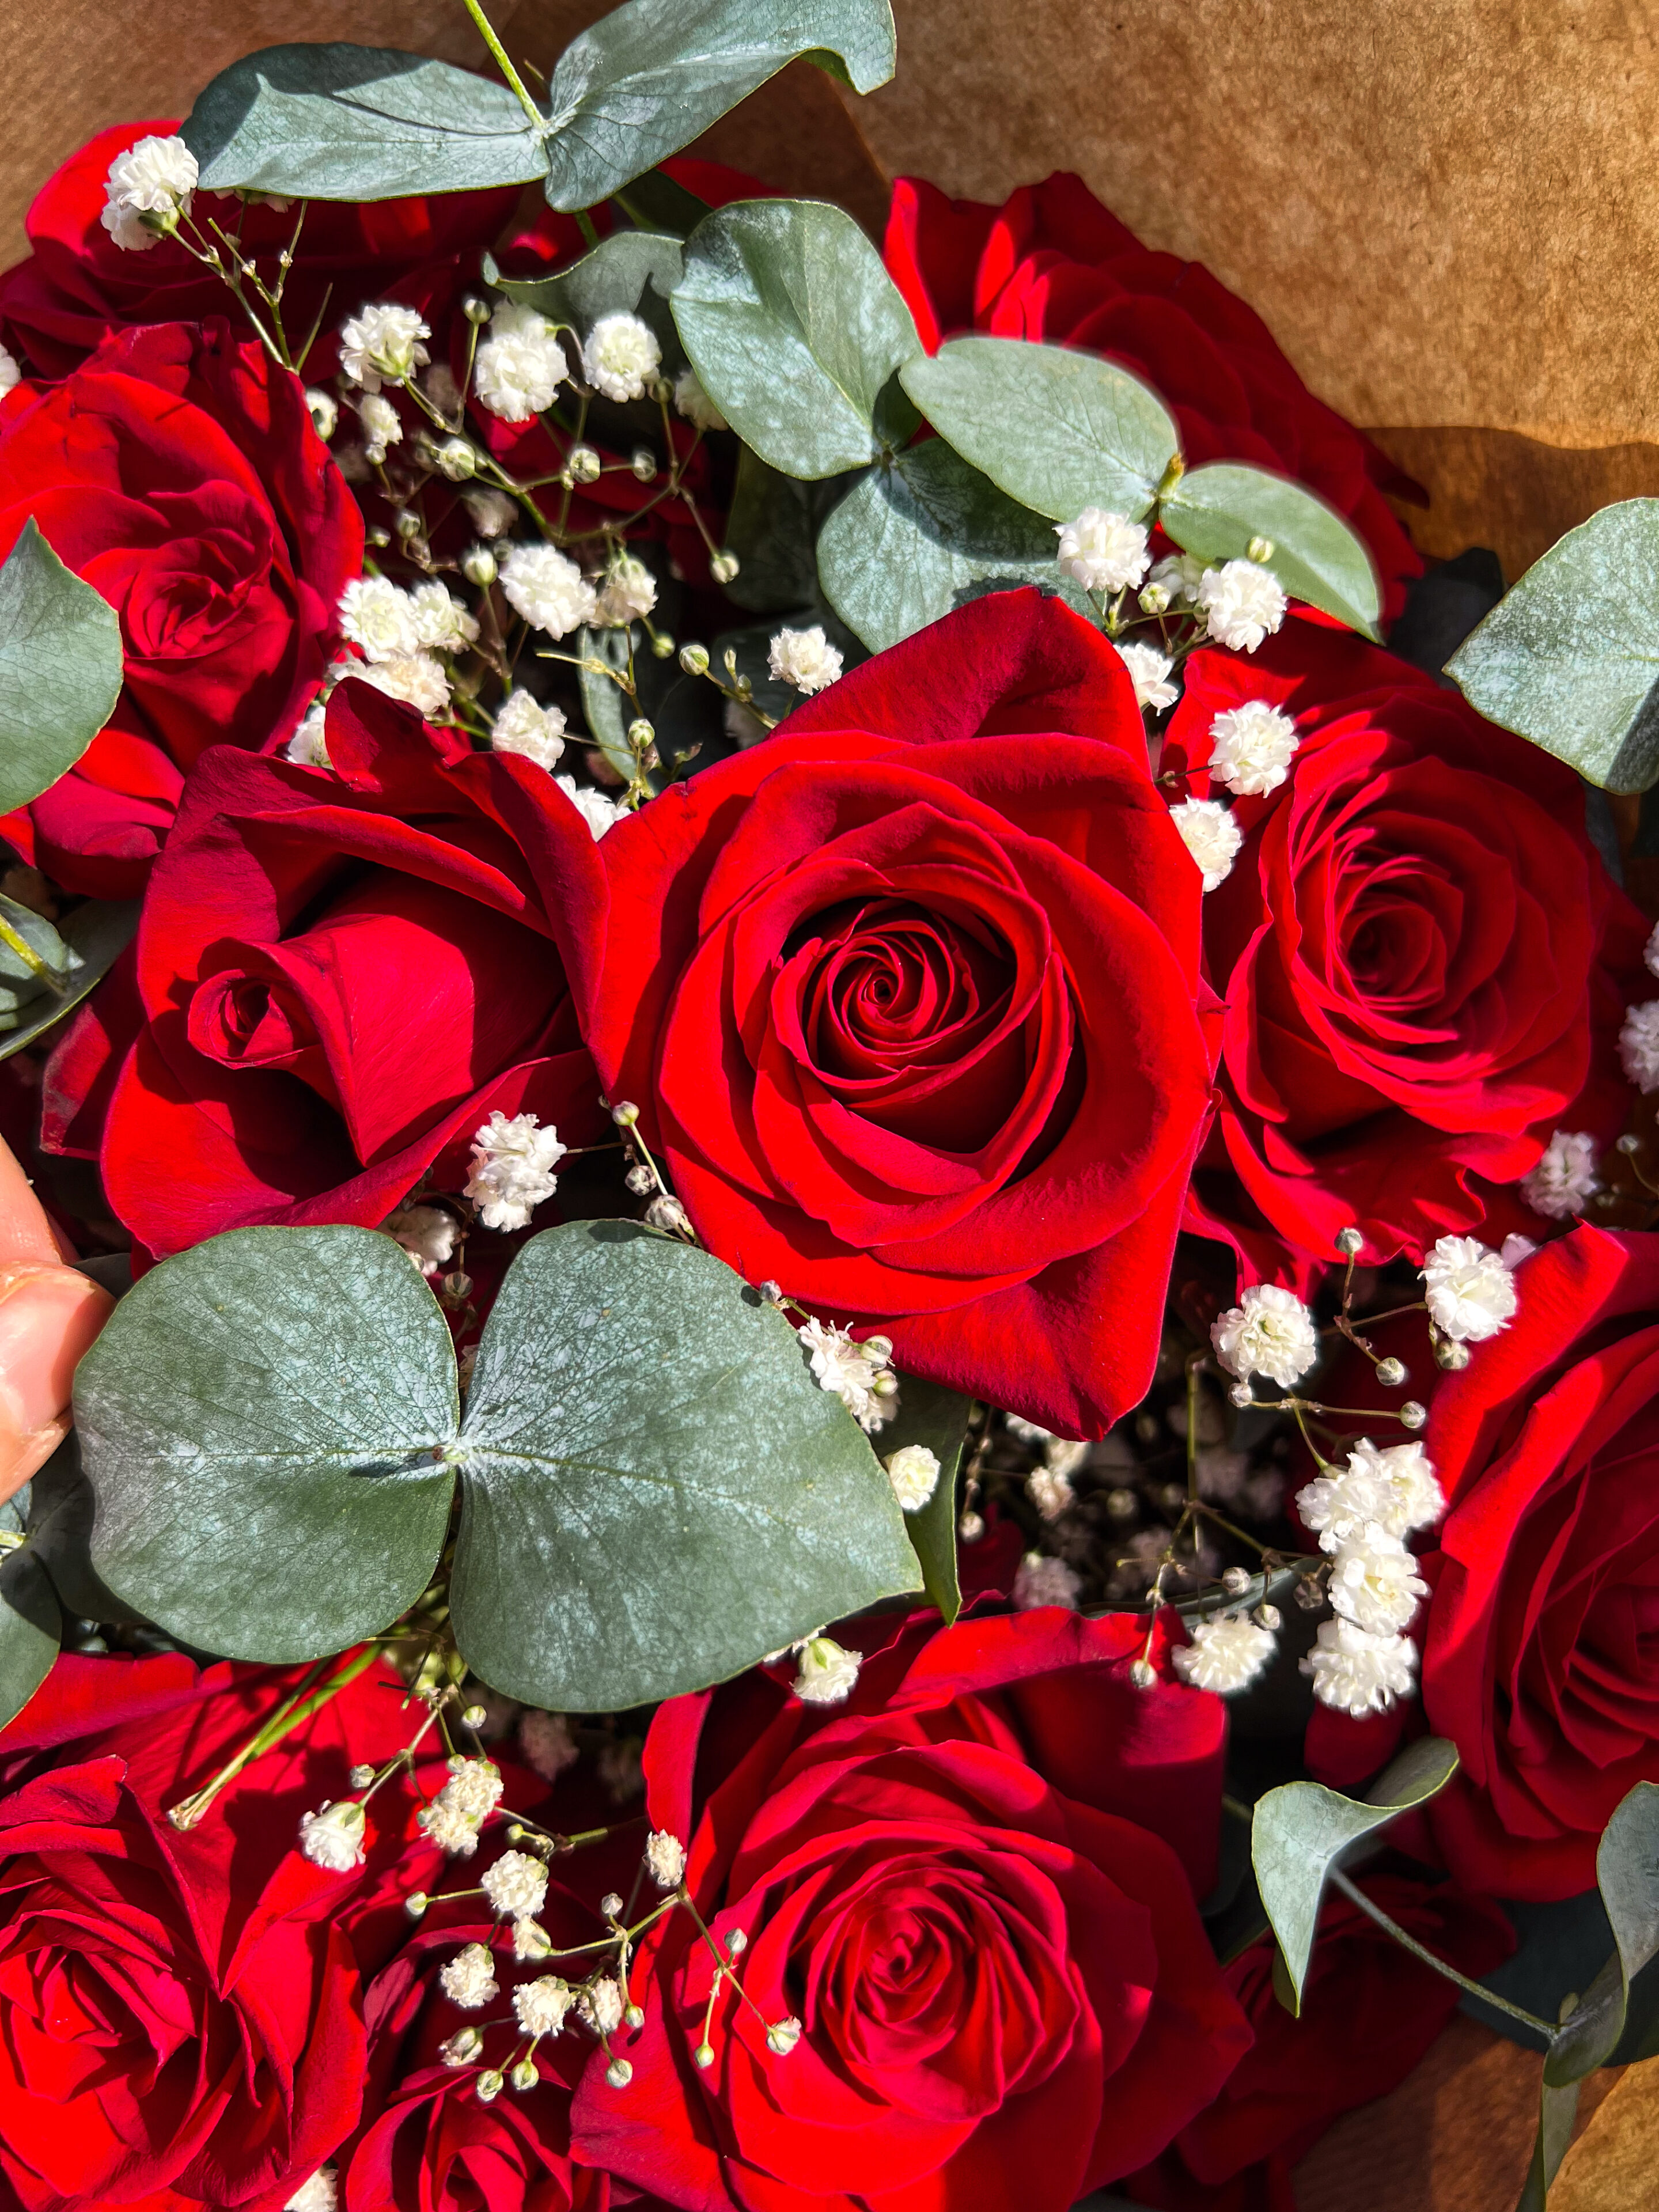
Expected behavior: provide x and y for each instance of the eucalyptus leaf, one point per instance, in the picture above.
(261, 1422)
(340, 122)
(1627, 1875)
(31, 1625)
(91, 937)
(920, 535)
(656, 202)
(795, 329)
(650, 76)
(1216, 511)
(60, 668)
(606, 707)
(60, 1516)
(1301, 1831)
(1569, 658)
(610, 280)
(655, 1492)
(1558, 2108)
(930, 1414)
(753, 646)
(1056, 429)
(772, 526)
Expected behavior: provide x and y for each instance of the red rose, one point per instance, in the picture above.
(183, 2011)
(339, 977)
(1419, 950)
(1369, 2011)
(967, 1886)
(907, 996)
(77, 285)
(179, 474)
(1053, 263)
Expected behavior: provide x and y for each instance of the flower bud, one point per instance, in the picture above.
(1350, 1242)
(666, 1213)
(456, 459)
(634, 2015)
(377, 537)
(619, 2072)
(474, 1717)
(724, 568)
(772, 1292)
(971, 1527)
(406, 523)
(624, 1113)
(1235, 1582)
(704, 2055)
(1391, 1373)
(478, 565)
(643, 462)
(584, 465)
(325, 413)
(1144, 1675)
(641, 736)
(1451, 1355)
(416, 1903)
(662, 645)
(1122, 1505)
(610, 1904)
(1412, 1415)
(641, 1182)
(524, 2076)
(475, 309)
(460, 2047)
(361, 1777)
(1270, 1618)
(1241, 1393)
(1260, 549)
(693, 659)
(782, 2036)
(1628, 1145)
(736, 1942)
(1309, 1594)
(490, 2087)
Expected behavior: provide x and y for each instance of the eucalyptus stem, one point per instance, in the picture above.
(305, 1701)
(1356, 1895)
(16, 942)
(498, 55)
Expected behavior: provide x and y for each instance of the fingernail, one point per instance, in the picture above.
(48, 1317)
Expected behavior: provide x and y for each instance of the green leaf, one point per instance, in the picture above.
(930, 1414)
(260, 1423)
(605, 706)
(650, 76)
(89, 939)
(1301, 1830)
(610, 280)
(60, 1517)
(1627, 1875)
(922, 533)
(655, 202)
(1216, 511)
(772, 527)
(793, 327)
(1569, 658)
(1056, 429)
(60, 668)
(656, 1491)
(350, 123)
(753, 646)
(1558, 2108)
(31, 1626)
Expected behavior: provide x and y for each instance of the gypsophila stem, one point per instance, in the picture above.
(498, 55)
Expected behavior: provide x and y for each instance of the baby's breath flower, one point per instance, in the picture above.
(601, 814)
(1374, 1580)
(454, 1818)
(320, 2194)
(426, 1233)
(694, 403)
(621, 356)
(1564, 1180)
(627, 593)
(664, 1856)
(858, 1373)
(154, 178)
(1269, 1331)
(1250, 748)
(1042, 1581)
(1638, 1046)
(1211, 834)
(1469, 1289)
(442, 623)
(494, 512)
(1358, 1672)
(805, 659)
(382, 426)
(601, 2006)
(529, 1940)
(10, 374)
(416, 677)
(546, 1743)
(914, 1472)
(547, 588)
(334, 1837)
(524, 725)
(1149, 671)
(308, 746)
(511, 1172)
(1227, 1654)
(783, 2035)
(469, 1978)
(383, 344)
(1100, 551)
(1049, 1491)
(520, 365)
(541, 2005)
(379, 619)
(1392, 1485)
(827, 1673)
(516, 1885)
(1242, 604)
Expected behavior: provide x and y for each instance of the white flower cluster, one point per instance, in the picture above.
(665, 1859)
(460, 1809)
(548, 589)
(1241, 603)
(1469, 1289)
(511, 1173)
(426, 1233)
(154, 178)
(625, 593)
(382, 427)
(1250, 748)
(1103, 551)
(804, 657)
(913, 1471)
(599, 812)
(469, 1978)
(1040, 1580)
(1389, 1487)
(540, 2006)
(1359, 1672)
(524, 725)
(620, 356)
(399, 634)
(382, 345)
(545, 1741)
(695, 404)
(859, 1374)
(520, 365)
(827, 1674)
(1638, 1046)
(1362, 1514)
(516, 1885)
(1564, 1180)
(10, 374)
(334, 1837)
(1149, 671)
(1227, 1654)
(1211, 835)
(308, 746)
(1269, 1331)
(320, 2194)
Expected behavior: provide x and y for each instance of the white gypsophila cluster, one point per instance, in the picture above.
(1469, 1289)
(523, 725)
(531, 1940)
(695, 404)
(460, 1809)
(1149, 671)
(620, 356)
(546, 1743)
(511, 1173)
(1049, 1491)
(783, 2035)
(1269, 1331)
(156, 177)
(323, 409)
(541, 2005)
(1374, 1582)
(827, 1674)
(1650, 951)
(1391, 1486)
(382, 344)
(519, 366)
(804, 658)
(382, 427)
(426, 1233)
(417, 678)
(627, 592)
(913, 1471)
(1638, 1046)
(1241, 603)
(492, 513)
(333, 1837)
(1100, 551)
(1251, 747)
(1564, 1180)
(1358, 1673)
(1211, 834)
(379, 618)
(1040, 1581)
(601, 2006)
(1028, 1433)
(320, 2194)
(1178, 575)
(469, 1978)
(10, 374)
(547, 588)
(516, 1885)
(443, 623)
(665, 1859)
(1225, 1654)
(308, 746)
(600, 812)
(859, 1374)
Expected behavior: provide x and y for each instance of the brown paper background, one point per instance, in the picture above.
(1446, 209)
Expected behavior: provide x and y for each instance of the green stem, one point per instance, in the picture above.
(305, 1701)
(16, 942)
(584, 224)
(498, 54)
(1356, 1895)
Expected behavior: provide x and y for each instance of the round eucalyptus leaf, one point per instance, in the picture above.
(86, 941)
(30, 1629)
(654, 1493)
(1056, 429)
(793, 327)
(1216, 512)
(929, 1413)
(60, 668)
(340, 122)
(1571, 657)
(650, 76)
(261, 1422)
(610, 280)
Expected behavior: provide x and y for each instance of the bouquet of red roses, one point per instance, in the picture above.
(860, 1407)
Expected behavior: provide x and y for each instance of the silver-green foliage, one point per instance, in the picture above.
(60, 668)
